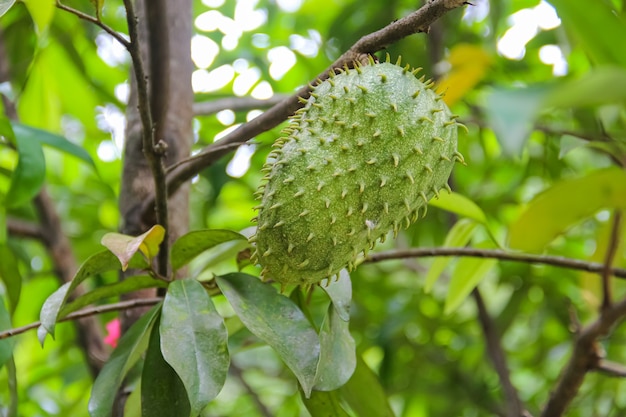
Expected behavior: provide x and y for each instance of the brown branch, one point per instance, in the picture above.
(585, 357)
(153, 149)
(23, 228)
(235, 104)
(557, 261)
(611, 368)
(416, 22)
(96, 21)
(608, 261)
(86, 312)
(496, 354)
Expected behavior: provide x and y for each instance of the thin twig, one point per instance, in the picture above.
(586, 357)
(96, 21)
(153, 151)
(23, 228)
(608, 260)
(416, 22)
(87, 312)
(558, 261)
(496, 354)
(611, 368)
(235, 104)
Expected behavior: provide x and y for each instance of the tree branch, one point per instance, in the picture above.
(557, 261)
(586, 357)
(96, 21)
(416, 22)
(495, 352)
(87, 312)
(22, 228)
(235, 104)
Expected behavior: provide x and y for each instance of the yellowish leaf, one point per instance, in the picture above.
(468, 66)
(124, 247)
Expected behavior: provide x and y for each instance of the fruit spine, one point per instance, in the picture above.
(364, 155)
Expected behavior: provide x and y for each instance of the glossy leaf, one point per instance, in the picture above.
(458, 236)
(6, 345)
(10, 275)
(340, 293)
(162, 391)
(564, 204)
(5, 5)
(467, 274)
(194, 243)
(364, 393)
(324, 404)
(96, 264)
(459, 204)
(337, 353)
(55, 141)
(134, 283)
(276, 320)
(131, 346)
(125, 247)
(194, 341)
(29, 174)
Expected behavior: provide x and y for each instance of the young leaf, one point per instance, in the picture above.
(340, 293)
(194, 243)
(276, 320)
(41, 13)
(58, 142)
(125, 247)
(29, 173)
(458, 236)
(10, 275)
(465, 277)
(323, 404)
(162, 391)
(130, 348)
(564, 204)
(461, 205)
(96, 264)
(194, 341)
(364, 393)
(129, 284)
(337, 354)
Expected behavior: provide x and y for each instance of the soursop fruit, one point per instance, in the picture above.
(366, 153)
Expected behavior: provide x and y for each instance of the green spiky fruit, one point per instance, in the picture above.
(371, 146)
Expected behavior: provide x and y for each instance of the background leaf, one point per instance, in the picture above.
(194, 341)
(194, 243)
(276, 320)
(29, 174)
(364, 393)
(10, 275)
(324, 403)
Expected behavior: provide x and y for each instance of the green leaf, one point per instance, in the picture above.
(5, 5)
(599, 86)
(3, 225)
(564, 204)
(324, 404)
(41, 12)
(10, 275)
(162, 391)
(340, 293)
(131, 346)
(601, 45)
(276, 320)
(96, 264)
(29, 174)
(127, 285)
(465, 277)
(337, 354)
(511, 113)
(364, 393)
(6, 345)
(125, 247)
(459, 204)
(194, 341)
(50, 139)
(458, 236)
(194, 243)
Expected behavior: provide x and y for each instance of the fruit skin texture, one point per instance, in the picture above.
(371, 146)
